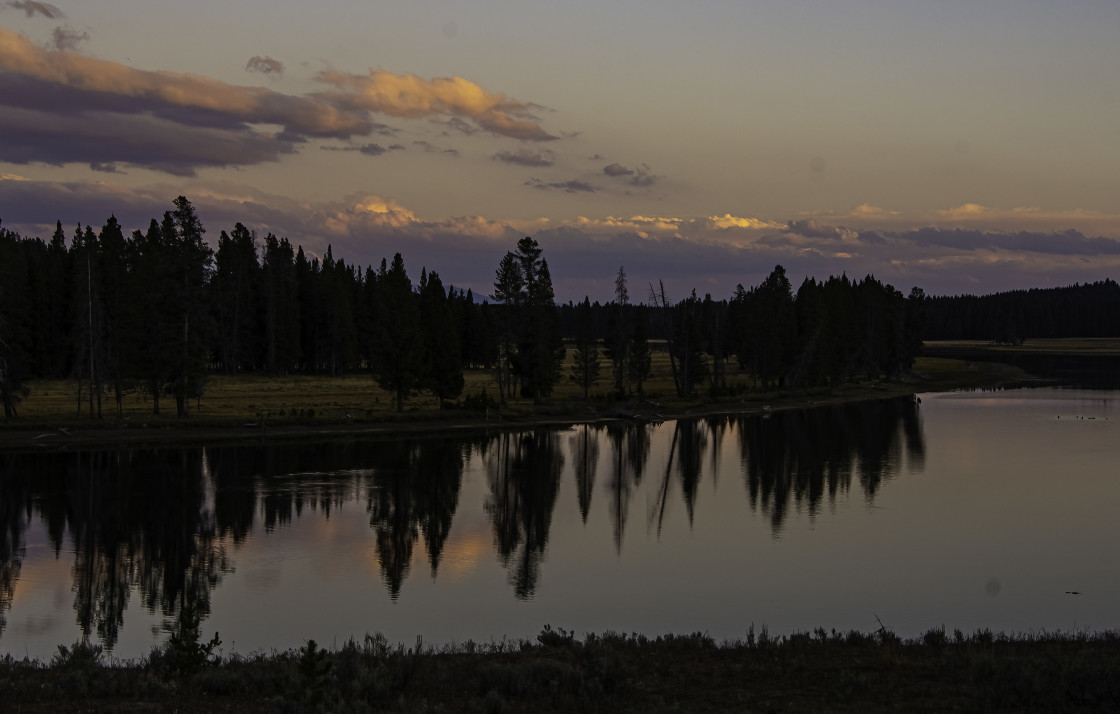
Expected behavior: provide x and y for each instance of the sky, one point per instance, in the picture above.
(962, 147)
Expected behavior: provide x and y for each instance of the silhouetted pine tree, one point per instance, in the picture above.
(444, 365)
(237, 277)
(398, 355)
(585, 369)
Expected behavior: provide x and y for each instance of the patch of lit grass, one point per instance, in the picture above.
(356, 397)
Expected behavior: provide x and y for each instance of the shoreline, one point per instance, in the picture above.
(111, 433)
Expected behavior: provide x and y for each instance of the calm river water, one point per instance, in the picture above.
(969, 510)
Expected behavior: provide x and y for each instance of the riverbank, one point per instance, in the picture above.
(262, 410)
(819, 671)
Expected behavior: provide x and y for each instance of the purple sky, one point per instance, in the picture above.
(957, 146)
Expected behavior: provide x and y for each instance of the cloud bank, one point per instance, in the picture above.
(62, 107)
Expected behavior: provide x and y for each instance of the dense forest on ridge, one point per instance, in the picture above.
(159, 310)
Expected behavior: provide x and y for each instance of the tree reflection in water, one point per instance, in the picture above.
(629, 450)
(13, 523)
(686, 452)
(154, 524)
(414, 491)
(805, 455)
(524, 475)
(584, 448)
(135, 519)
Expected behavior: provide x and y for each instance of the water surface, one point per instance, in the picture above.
(968, 510)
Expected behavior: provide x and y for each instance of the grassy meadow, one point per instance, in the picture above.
(357, 398)
(301, 398)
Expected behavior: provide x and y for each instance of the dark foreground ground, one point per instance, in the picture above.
(808, 672)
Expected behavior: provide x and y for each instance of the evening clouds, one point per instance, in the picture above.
(63, 107)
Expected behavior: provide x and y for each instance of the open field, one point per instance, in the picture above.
(819, 671)
(251, 407)
(240, 398)
(302, 397)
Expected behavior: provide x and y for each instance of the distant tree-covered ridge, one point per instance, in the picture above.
(1090, 310)
(160, 309)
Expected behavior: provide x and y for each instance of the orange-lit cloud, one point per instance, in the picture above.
(967, 210)
(61, 107)
(169, 90)
(410, 96)
(726, 228)
(866, 210)
(647, 225)
(368, 211)
(727, 221)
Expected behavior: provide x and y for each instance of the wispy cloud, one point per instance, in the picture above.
(643, 178)
(32, 8)
(639, 177)
(458, 125)
(264, 65)
(815, 229)
(367, 149)
(105, 168)
(572, 186)
(372, 149)
(431, 148)
(1030, 219)
(65, 38)
(526, 157)
(1069, 243)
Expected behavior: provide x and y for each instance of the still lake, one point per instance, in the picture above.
(974, 510)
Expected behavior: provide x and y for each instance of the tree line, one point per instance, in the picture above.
(157, 311)
(1088, 310)
(823, 334)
